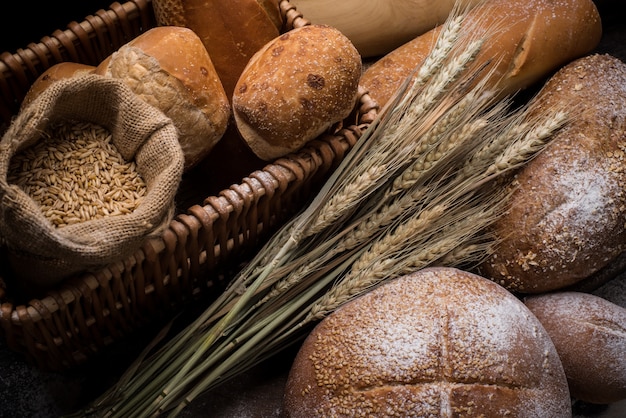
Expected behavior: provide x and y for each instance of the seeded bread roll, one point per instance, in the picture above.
(438, 342)
(56, 72)
(170, 68)
(534, 38)
(567, 216)
(589, 334)
(295, 88)
(231, 31)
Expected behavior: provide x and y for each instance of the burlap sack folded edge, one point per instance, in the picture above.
(43, 254)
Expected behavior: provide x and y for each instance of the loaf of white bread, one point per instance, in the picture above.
(567, 215)
(231, 31)
(170, 68)
(376, 27)
(532, 39)
(438, 342)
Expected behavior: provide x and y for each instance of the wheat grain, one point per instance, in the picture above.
(76, 174)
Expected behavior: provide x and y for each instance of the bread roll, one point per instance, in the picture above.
(438, 342)
(295, 88)
(376, 27)
(56, 72)
(567, 214)
(169, 68)
(534, 38)
(589, 334)
(231, 31)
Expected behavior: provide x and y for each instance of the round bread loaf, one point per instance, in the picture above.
(533, 38)
(231, 31)
(170, 68)
(56, 72)
(438, 342)
(295, 88)
(567, 216)
(589, 334)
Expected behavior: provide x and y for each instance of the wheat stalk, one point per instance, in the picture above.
(381, 214)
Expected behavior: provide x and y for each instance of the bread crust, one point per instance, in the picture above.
(438, 342)
(395, 23)
(169, 68)
(589, 334)
(231, 31)
(567, 214)
(56, 72)
(295, 88)
(534, 38)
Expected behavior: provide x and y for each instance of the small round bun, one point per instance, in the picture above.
(58, 71)
(589, 334)
(567, 216)
(169, 67)
(295, 88)
(438, 342)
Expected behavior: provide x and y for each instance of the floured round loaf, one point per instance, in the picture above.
(438, 342)
(533, 38)
(295, 88)
(56, 72)
(567, 216)
(589, 334)
(170, 68)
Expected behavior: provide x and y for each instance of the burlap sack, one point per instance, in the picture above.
(43, 254)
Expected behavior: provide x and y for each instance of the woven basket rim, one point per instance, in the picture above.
(52, 328)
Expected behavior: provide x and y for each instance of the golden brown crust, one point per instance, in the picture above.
(567, 215)
(170, 69)
(438, 342)
(231, 31)
(376, 27)
(295, 88)
(535, 38)
(57, 72)
(589, 334)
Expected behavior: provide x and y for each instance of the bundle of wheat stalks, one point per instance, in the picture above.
(418, 189)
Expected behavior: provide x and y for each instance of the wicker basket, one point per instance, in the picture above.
(190, 261)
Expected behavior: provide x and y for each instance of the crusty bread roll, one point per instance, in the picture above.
(534, 38)
(56, 72)
(567, 216)
(589, 334)
(376, 27)
(170, 68)
(295, 88)
(438, 342)
(231, 31)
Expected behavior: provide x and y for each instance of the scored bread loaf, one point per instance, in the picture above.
(376, 27)
(437, 342)
(567, 216)
(294, 88)
(533, 38)
(589, 334)
(170, 68)
(231, 31)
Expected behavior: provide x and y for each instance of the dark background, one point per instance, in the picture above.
(25, 21)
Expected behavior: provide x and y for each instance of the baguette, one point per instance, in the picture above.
(376, 27)
(534, 39)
